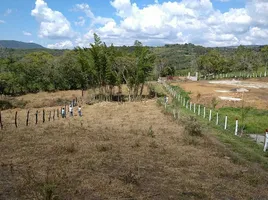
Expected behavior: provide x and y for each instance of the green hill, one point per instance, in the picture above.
(12, 44)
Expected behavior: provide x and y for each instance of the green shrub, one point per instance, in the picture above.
(4, 104)
(192, 127)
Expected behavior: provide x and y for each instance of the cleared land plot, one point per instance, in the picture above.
(257, 95)
(122, 151)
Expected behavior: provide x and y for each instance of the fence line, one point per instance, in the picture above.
(225, 125)
(49, 114)
(233, 75)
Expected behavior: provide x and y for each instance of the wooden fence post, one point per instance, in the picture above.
(217, 119)
(1, 123)
(44, 116)
(49, 117)
(210, 115)
(53, 114)
(58, 115)
(27, 119)
(16, 117)
(204, 112)
(36, 117)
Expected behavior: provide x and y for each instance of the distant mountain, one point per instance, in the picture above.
(12, 44)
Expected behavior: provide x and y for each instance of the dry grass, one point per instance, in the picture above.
(52, 99)
(121, 151)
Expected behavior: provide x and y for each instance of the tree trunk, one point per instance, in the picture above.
(142, 86)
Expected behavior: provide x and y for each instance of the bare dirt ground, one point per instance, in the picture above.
(121, 151)
(257, 96)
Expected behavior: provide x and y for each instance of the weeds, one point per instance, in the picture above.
(33, 186)
(190, 140)
(136, 144)
(153, 145)
(214, 102)
(103, 147)
(130, 178)
(150, 132)
(192, 126)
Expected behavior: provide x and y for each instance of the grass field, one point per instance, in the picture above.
(123, 151)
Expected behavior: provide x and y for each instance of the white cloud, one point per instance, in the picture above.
(53, 24)
(8, 12)
(81, 21)
(2, 22)
(94, 20)
(26, 33)
(195, 21)
(61, 45)
(31, 41)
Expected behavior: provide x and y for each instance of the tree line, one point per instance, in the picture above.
(241, 59)
(99, 67)
(102, 68)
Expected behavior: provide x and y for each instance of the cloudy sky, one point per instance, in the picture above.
(70, 23)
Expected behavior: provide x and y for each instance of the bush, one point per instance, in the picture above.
(192, 126)
(5, 105)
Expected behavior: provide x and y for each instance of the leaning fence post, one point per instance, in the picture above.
(225, 124)
(27, 120)
(217, 119)
(204, 112)
(236, 126)
(266, 141)
(36, 117)
(1, 120)
(210, 113)
(49, 116)
(16, 116)
(44, 116)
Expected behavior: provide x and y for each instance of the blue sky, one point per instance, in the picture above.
(66, 24)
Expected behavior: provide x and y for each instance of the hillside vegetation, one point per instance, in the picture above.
(12, 44)
(104, 67)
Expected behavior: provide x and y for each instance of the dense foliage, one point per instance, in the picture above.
(99, 67)
(103, 67)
